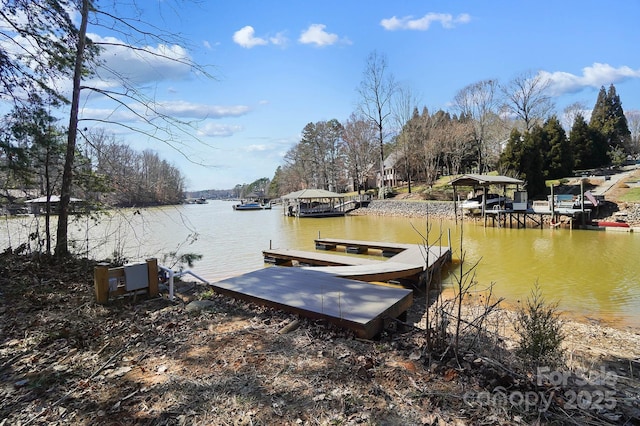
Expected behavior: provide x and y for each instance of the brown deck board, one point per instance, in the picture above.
(414, 254)
(356, 305)
(409, 261)
(385, 271)
(368, 244)
(320, 258)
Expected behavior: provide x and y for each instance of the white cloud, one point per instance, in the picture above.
(316, 34)
(140, 64)
(218, 130)
(116, 115)
(422, 24)
(245, 37)
(182, 109)
(259, 148)
(279, 39)
(595, 76)
(194, 110)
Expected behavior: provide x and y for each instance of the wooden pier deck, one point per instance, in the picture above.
(510, 218)
(356, 305)
(406, 261)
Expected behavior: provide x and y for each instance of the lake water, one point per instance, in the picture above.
(591, 274)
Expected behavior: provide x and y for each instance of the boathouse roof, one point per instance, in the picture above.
(483, 180)
(52, 199)
(312, 193)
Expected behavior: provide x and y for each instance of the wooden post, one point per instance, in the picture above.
(152, 276)
(101, 282)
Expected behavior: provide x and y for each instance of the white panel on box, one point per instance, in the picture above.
(136, 276)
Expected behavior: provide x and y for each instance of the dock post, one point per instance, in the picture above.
(101, 282)
(152, 276)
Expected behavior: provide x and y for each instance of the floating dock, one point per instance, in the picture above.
(403, 261)
(355, 305)
(336, 287)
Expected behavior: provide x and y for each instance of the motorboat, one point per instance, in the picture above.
(474, 204)
(251, 205)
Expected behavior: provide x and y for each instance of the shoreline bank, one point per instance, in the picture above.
(630, 212)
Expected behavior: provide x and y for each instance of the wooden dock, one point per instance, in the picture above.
(503, 218)
(356, 305)
(335, 287)
(404, 261)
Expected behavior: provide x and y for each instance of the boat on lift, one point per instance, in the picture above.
(474, 204)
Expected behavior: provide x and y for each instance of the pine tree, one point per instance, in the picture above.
(523, 157)
(608, 118)
(558, 159)
(620, 133)
(512, 154)
(581, 143)
(533, 162)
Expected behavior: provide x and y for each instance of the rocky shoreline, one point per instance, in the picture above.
(628, 212)
(408, 208)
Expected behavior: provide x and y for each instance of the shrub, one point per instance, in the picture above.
(539, 328)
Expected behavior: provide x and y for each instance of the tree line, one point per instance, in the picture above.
(509, 127)
(106, 172)
(547, 152)
(46, 48)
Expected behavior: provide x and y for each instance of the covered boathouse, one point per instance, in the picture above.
(314, 203)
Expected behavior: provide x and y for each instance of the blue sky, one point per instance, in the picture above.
(278, 65)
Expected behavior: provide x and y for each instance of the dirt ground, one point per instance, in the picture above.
(66, 360)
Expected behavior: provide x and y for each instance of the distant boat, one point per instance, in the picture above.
(200, 200)
(568, 202)
(610, 224)
(251, 205)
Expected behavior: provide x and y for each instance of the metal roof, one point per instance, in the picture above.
(483, 180)
(312, 193)
(52, 199)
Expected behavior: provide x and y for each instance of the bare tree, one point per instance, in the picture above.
(299, 167)
(526, 97)
(633, 121)
(405, 107)
(455, 136)
(62, 247)
(570, 112)
(359, 149)
(479, 103)
(164, 128)
(431, 149)
(36, 49)
(376, 91)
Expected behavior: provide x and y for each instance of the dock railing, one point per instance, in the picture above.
(171, 275)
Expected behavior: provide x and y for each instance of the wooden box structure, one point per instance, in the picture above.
(130, 278)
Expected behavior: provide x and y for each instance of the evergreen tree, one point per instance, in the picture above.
(558, 159)
(532, 164)
(609, 119)
(588, 145)
(512, 154)
(522, 156)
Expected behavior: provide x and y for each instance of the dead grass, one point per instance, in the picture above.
(65, 360)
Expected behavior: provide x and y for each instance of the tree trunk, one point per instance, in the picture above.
(62, 246)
